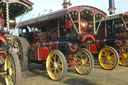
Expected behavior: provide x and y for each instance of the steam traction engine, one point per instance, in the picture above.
(87, 23)
(54, 39)
(117, 35)
(9, 61)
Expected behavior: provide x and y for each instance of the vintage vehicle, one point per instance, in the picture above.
(117, 35)
(55, 39)
(102, 42)
(9, 61)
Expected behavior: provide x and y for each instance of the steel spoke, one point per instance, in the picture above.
(59, 70)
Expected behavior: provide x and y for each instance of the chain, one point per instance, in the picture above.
(7, 16)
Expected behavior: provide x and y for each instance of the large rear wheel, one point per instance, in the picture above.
(85, 61)
(12, 67)
(123, 55)
(108, 58)
(23, 52)
(56, 65)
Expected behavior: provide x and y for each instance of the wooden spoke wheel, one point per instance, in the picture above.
(12, 67)
(85, 61)
(123, 55)
(108, 58)
(56, 65)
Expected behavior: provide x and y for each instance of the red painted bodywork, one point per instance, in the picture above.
(2, 21)
(93, 48)
(2, 38)
(68, 25)
(71, 61)
(43, 53)
(126, 21)
(83, 27)
(75, 47)
(37, 52)
(91, 41)
(41, 50)
(88, 38)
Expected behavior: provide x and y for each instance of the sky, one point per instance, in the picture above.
(40, 6)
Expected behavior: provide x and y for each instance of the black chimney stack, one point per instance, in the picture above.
(66, 3)
(112, 7)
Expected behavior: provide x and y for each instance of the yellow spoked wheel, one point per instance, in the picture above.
(85, 61)
(108, 58)
(56, 65)
(12, 67)
(123, 56)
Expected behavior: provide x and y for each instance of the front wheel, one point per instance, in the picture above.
(12, 67)
(56, 65)
(108, 58)
(123, 52)
(85, 61)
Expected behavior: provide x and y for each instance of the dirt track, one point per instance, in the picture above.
(98, 76)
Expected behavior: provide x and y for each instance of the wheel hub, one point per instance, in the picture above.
(125, 55)
(108, 57)
(55, 65)
(83, 62)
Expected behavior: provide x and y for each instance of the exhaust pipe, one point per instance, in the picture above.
(66, 3)
(111, 8)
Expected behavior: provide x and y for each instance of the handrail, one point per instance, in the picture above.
(73, 23)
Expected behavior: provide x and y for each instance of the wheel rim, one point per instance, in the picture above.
(107, 58)
(124, 56)
(84, 62)
(9, 66)
(55, 66)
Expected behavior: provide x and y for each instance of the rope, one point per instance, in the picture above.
(7, 16)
